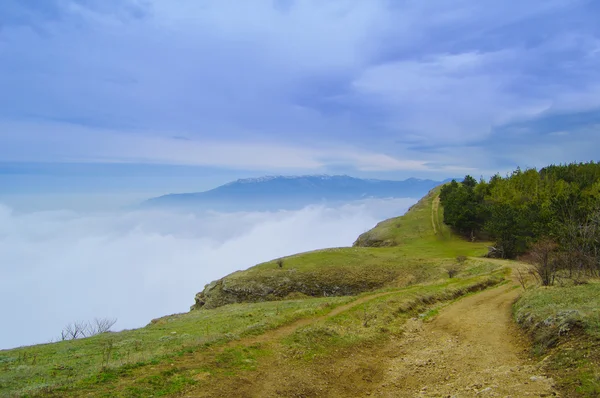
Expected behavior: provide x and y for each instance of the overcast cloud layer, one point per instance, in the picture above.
(65, 266)
(376, 87)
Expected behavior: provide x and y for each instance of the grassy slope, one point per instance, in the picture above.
(414, 254)
(564, 323)
(150, 360)
(32, 369)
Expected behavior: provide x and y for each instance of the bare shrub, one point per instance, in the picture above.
(101, 325)
(544, 262)
(78, 330)
(74, 331)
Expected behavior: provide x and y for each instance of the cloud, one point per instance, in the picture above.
(65, 266)
(99, 145)
(377, 79)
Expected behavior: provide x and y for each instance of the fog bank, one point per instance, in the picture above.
(63, 266)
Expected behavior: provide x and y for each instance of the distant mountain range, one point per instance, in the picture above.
(291, 192)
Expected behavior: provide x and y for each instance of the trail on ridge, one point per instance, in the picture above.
(434, 214)
(472, 348)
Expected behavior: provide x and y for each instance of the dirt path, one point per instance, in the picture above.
(435, 205)
(472, 349)
(287, 330)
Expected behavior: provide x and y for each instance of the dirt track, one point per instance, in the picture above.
(434, 214)
(471, 349)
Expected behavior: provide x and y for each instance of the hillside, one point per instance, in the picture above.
(293, 331)
(291, 192)
(419, 249)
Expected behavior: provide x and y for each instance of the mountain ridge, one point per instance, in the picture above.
(291, 192)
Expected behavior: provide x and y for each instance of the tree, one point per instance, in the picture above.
(559, 202)
(464, 209)
(469, 182)
(506, 226)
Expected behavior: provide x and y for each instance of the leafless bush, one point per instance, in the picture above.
(74, 331)
(78, 330)
(544, 262)
(101, 325)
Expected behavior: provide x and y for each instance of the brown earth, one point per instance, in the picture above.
(471, 349)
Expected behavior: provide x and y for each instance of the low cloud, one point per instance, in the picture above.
(63, 266)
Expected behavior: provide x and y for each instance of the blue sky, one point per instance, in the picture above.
(180, 95)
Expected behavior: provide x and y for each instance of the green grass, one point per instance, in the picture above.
(565, 323)
(581, 303)
(413, 233)
(29, 369)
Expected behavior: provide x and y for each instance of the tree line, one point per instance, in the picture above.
(554, 210)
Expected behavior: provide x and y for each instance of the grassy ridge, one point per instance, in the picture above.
(414, 253)
(421, 232)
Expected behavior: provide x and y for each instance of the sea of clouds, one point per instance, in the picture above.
(63, 266)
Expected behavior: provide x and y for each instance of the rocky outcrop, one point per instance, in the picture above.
(278, 284)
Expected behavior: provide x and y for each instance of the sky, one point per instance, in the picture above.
(60, 267)
(144, 97)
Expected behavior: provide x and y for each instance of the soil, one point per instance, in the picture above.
(471, 349)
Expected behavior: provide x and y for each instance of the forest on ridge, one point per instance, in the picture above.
(553, 213)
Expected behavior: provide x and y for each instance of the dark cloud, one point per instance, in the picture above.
(380, 77)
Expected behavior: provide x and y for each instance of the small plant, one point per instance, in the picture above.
(280, 263)
(106, 353)
(452, 270)
(367, 317)
(461, 259)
